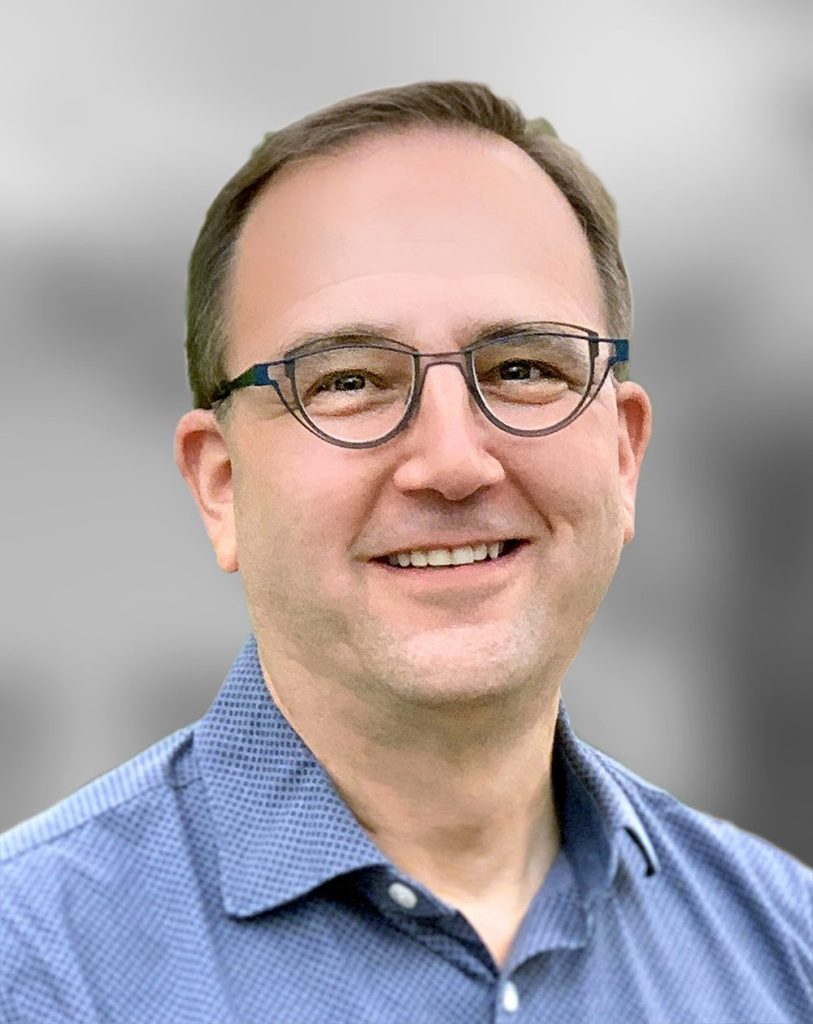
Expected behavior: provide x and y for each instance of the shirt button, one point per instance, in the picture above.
(510, 997)
(403, 896)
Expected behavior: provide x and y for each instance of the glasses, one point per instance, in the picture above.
(358, 391)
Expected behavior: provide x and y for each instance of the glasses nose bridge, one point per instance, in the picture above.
(458, 359)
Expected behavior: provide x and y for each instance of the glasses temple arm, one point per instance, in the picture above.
(253, 375)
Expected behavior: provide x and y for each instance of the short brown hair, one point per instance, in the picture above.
(461, 105)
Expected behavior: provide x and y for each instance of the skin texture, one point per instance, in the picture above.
(430, 699)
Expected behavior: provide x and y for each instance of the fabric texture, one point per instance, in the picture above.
(219, 877)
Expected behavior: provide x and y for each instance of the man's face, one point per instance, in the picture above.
(430, 235)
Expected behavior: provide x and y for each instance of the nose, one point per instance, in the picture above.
(445, 443)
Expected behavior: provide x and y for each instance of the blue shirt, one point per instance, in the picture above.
(219, 877)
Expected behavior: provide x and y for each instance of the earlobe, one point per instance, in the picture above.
(202, 455)
(634, 431)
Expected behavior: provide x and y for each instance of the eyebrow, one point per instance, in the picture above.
(470, 331)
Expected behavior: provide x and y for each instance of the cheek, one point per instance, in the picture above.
(294, 508)
(576, 488)
(577, 498)
(575, 467)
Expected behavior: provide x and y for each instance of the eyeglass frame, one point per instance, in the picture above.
(259, 375)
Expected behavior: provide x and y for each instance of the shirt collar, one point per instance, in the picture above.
(280, 826)
(282, 829)
(595, 812)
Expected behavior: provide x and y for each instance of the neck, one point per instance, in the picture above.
(458, 796)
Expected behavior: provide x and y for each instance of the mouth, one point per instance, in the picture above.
(455, 558)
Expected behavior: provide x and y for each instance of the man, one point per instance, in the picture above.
(415, 438)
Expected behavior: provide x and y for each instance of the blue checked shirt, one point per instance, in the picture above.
(219, 877)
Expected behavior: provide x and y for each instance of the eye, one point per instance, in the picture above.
(348, 381)
(526, 369)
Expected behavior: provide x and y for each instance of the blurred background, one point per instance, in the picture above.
(120, 123)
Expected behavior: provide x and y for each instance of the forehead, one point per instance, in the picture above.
(425, 230)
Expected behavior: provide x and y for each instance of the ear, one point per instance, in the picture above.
(202, 455)
(634, 430)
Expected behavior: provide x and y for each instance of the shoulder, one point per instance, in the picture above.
(715, 861)
(78, 880)
(134, 787)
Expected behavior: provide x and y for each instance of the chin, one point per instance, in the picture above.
(459, 665)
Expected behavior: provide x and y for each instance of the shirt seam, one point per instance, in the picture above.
(68, 831)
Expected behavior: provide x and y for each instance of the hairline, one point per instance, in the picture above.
(368, 135)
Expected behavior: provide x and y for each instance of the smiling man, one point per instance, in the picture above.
(415, 438)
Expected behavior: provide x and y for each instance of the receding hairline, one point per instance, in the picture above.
(439, 106)
(378, 138)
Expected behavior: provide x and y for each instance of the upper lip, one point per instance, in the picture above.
(433, 545)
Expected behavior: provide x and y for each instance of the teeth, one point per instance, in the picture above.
(464, 555)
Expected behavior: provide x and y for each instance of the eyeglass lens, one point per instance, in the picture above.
(360, 392)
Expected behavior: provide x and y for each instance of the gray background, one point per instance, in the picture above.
(120, 123)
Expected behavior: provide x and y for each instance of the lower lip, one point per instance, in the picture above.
(490, 570)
